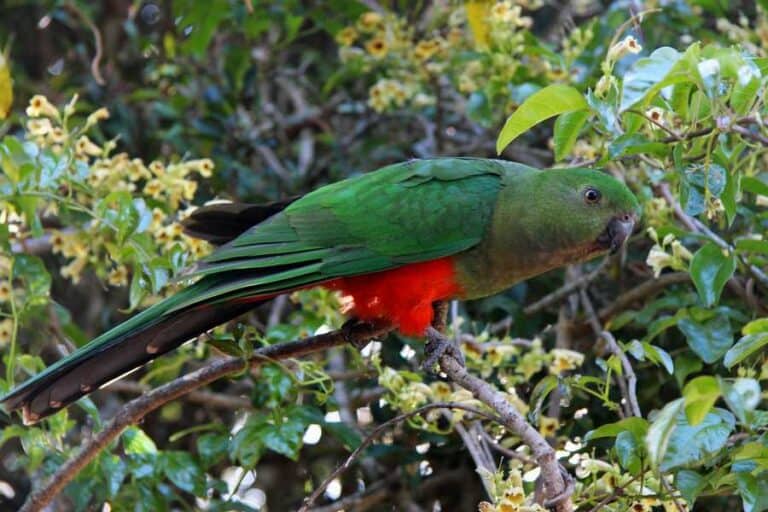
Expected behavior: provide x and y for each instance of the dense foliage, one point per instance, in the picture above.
(646, 371)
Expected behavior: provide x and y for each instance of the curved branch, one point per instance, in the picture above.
(133, 411)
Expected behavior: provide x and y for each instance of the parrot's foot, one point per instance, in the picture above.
(565, 493)
(350, 331)
(438, 346)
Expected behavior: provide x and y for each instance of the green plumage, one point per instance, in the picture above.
(501, 221)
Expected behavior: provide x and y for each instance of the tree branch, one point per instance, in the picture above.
(558, 484)
(375, 433)
(133, 411)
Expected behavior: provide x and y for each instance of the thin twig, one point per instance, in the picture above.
(132, 412)
(506, 452)
(310, 500)
(642, 291)
(630, 390)
(564, 291)
(97, 42)
(696, 226)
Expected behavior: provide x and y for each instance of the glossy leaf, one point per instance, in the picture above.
(745, 347)
(700, 396)
(710, 339)
(567, 129)
(711, 268)
(660, 431)
(548, 102)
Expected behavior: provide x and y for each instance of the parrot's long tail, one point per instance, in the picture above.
(117, 352)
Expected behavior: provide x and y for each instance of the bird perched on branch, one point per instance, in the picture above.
(395, 240)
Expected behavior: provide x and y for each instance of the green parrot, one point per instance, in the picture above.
(395, 241)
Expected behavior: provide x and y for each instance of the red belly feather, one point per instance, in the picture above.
(403, 295)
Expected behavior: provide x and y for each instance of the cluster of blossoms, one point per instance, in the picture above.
(627, 46)
(412, 63)
(667, 253)
(156, 192)
(508, 494)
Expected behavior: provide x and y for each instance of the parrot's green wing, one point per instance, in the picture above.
(405, 213)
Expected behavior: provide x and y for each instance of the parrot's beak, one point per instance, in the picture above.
(617, 231)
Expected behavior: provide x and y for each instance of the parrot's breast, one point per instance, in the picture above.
(403, 295)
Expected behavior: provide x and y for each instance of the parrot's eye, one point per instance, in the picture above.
(592, 195)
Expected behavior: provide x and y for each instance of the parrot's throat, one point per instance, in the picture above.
(403, 296)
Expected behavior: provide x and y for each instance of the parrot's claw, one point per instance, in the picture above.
(438, 346)
(565, 493)
(347, 331)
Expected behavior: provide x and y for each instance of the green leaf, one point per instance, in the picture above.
(754, 185)
(745, 347)
(212, 447)
(752, 245)
(637, 426)
(286, 436)
(741, 395)
(753, 490)
(693, 445)
(690, 484)
(745, 90)
(114, 469)
(548, 102)
(567, 129)
(710, 270)
(660, 431)
(710, 339)
(181, 469)
(628, 451)
(543, 388)
(37, 281)
(135, 441)
(649, 75)
(758, 325)
(700, 395)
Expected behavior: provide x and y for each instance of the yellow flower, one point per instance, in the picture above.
(158, 216)
(204, 166)
(624, 47)
(441, 390)
(95, 117)
(564, 360)
(370, 22)
(604, 85)
(5, 291)
(39, 127)
(346, 36)
(548, 426)
(467, 84)
(39, 106)
(118, 276)
(504, 12)
(73, 270)
(57, 135)
(6, 331)
(137, 170)
(85, 147)
(153, 188)
(377, 47)
(188, 189)
(426, 49)
(655, 114)
(157, 168)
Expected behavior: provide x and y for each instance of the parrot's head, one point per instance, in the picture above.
(597, 211)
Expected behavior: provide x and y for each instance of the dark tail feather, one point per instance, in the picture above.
(79, 375)
(219, 223)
